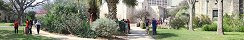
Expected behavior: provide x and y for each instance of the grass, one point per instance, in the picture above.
(171, 34)
(6, 24)
(8, 34)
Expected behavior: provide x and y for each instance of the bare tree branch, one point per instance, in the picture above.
(37, 4)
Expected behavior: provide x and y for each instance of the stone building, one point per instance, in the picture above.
(157, 8)
(210, 7)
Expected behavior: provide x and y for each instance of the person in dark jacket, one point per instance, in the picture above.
(147, 25)
(154, 26)
(128, 25)
(16, 25)
(30, 26)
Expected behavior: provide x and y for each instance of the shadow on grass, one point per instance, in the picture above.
(162, 35)
(10, 35)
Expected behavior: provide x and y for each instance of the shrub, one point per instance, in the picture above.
(232, 24)
(104, 27)
(178, 22)
(229, 25)
(210, 27)
(242, 29)
(65, 19)
(31, 15)
(205, 20)
(198, 22)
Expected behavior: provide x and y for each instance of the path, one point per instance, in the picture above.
(137, 34)
(58, 36)
(6, 27)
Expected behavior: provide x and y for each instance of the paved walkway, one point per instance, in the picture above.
(58, 36)
(136, 34)
(6, 26)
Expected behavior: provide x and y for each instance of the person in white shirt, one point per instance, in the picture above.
(38, 26)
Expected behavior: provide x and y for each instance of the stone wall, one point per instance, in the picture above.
(206, 8)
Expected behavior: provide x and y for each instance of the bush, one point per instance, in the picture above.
(31, 15)
(178, 22)
(232, 24)
(205, 20)
(242, 29)
(104, 27)
(210, 27)
(229, 25)
(198, 22)
(65, 19)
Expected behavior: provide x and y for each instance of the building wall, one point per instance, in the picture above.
(229, 6)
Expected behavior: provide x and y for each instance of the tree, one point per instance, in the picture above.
(191, 4)
(142, 14)
(94, 9)
(21, 5)
(6, 11)
(220, 17)
(112, 7)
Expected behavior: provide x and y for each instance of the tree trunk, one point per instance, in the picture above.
(191, 18)
(112, 9)
(20, 17)
(220, 18)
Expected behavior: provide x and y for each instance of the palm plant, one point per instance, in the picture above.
(112, 7)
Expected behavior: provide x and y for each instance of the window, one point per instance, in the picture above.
(215, 13)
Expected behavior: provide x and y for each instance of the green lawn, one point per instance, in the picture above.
(6, 24)
(8, 34)
(171, 34)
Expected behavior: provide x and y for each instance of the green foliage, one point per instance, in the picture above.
(196, 22)
(65, 19)
(6, 12)
(210, 27)
(200, 21)
(104, 27)
(5, 6)
(181, 8)
(130, 3)
(178, 22)
(230, 24)
(31, 15)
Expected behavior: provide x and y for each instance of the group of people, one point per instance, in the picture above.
(126, 25)
(154, 25)
(28, 28)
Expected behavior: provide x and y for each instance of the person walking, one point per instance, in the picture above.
(128, 24)
(38, 26)
(16, 25)
(147, 25)
(27, 27)
(30, 26)
(154, 26)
